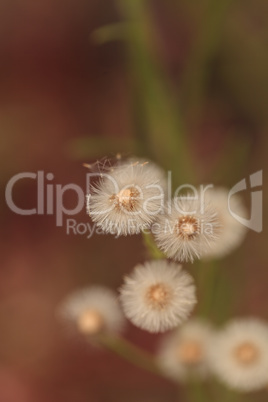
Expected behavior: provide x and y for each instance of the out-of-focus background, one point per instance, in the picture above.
(181, 82)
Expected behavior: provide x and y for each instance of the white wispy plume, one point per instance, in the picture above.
(232, 232)
(92, 310)
(158, 296)
(183, 354)
(188, 229)
(128, 197)
(239, 355)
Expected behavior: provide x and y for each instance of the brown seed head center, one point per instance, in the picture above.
(190, 352)
(246, 353)
(90, 322)
(187, 227)
(159, 296)
(126, 199)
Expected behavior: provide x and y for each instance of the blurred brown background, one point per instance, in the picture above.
(66, 99)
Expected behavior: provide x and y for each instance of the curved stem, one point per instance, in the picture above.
(130, 352)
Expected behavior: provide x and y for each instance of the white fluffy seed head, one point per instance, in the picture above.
(188, 229)
(232, 232)
(158, 296)
(183, 353)
(93, 310)
(128, 197)
(239, 355)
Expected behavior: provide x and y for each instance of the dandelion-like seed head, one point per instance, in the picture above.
(232, 232)
(92, 310)
(190, 352)
(239, 355)
(247, 353)
(183, 353)
(187, 227)
(158, 296)
(126, 199)
(90, 322)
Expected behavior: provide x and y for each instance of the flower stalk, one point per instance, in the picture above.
(130, 353)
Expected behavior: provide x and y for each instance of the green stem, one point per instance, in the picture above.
(216, 291)
(228, 395)
(207, 41)
(151, 247)
(158, 115)
(196, 392)
(130, 352)
(206, 277)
